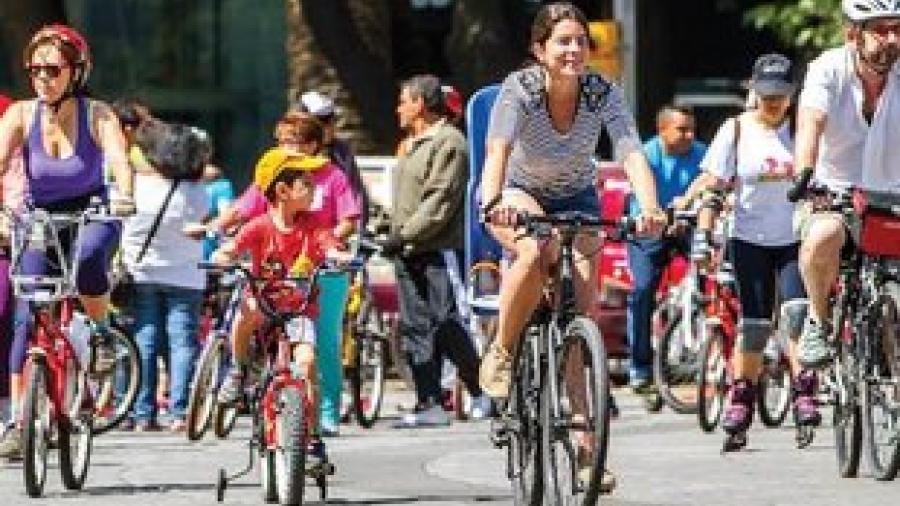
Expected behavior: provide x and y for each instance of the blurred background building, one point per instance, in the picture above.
(232, 66)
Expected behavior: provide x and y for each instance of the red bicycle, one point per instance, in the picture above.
(720, 309)
(58, 401)
(279, 401)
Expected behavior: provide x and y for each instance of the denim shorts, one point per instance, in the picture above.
(585, 201)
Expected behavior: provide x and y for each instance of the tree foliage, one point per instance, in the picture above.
(807, 25)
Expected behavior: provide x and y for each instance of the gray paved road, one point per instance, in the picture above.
(660, 460)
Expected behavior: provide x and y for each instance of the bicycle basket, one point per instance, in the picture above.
(880, 216)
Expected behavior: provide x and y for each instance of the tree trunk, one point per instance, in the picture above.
(481, 49)
(342, 48)
(18, 21)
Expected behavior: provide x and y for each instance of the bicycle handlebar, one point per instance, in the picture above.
(801, 186)
(571, 222)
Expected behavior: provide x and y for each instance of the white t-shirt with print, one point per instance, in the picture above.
(764, 173)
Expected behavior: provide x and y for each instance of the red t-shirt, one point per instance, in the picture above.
(271, 248)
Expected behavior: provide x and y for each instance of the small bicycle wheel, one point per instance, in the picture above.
(774, 394)
(675, 364)
(205, 388)
(37, 419)
(524, 465)
(75, 433)
(881, 394)
(576, 417)
(115, 393)
(712, 383)
(290, 451)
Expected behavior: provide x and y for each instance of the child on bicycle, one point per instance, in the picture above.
(285, 237)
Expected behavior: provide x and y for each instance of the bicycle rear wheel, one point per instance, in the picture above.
(675, 364)
(712, 384)
(37, 420)
(290, 451)
(524, 465)
(75, 433)
(881, 394)
(205, 388)
(576, 417)
(115, 393)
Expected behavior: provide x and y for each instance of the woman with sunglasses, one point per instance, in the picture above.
(65, 139)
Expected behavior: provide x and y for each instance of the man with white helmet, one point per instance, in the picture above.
(842, 121)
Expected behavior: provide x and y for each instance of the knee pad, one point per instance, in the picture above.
(753, 334)
(793, 314)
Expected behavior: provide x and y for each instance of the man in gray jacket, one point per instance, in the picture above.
(426, 237)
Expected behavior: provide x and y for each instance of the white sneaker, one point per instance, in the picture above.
(482, 408)
(431, 417)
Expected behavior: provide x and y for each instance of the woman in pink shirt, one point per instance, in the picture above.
(12, 187)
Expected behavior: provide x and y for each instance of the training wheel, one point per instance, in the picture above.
(322, 483)
(221, 485)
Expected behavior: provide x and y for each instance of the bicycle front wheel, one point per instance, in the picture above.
(712, 383)
(675, 364)
(115, 393)
(368, 382)
(204, 388)
(37, 420)
(75, 433)
(290, 451)
(774, 393)
(847, 415)
(881, 394)
(524, 465)
(575, 414)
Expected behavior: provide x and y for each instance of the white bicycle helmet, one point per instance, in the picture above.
(864, 10)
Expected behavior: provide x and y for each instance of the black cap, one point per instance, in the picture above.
(772, 75)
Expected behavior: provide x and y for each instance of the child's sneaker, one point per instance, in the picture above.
(316, 452)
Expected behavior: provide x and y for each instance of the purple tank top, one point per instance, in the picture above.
(50, 179)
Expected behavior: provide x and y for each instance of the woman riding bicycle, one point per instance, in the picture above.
(543, 132)
(754, 149)
(66, 138)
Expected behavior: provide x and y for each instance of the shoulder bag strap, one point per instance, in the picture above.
(155, 226)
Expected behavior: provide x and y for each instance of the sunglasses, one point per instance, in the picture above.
(883, 31)
(45, 71)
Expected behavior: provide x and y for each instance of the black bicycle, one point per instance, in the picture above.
(864, 378)
(555, 425)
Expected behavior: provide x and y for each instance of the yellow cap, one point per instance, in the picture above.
(276, 160)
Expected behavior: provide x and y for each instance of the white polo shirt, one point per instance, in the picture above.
(832, 86)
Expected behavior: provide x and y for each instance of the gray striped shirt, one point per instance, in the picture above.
(543, 161)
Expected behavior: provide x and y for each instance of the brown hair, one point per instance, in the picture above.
(300, 127)
(551, 14)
